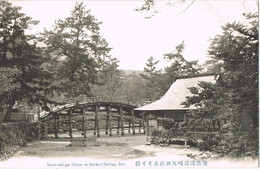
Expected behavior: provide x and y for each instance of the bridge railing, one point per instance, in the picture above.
(25, 114)
(79, 100)
(82, 99)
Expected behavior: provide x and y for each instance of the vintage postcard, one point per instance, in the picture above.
(129, 84)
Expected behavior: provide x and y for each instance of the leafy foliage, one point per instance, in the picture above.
(15, 135)
(234, 98)
(109, 81)
(210, 142)
(150, 6)
(152, 78)
(120, 87)
(165, 136)
(20, 58)
(8, 75)
(77, 44)
(179, 67)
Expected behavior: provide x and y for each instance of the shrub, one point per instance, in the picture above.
(163, 136)
(156, 137)
(209, 142)
(15, 135)
(192, 142)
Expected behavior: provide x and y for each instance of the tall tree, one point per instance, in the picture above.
(179, 67)
(109, 81)
(18, 52)
(77, 44)
(235, 97)
(133, 89)
(151, 77)
(158, 82)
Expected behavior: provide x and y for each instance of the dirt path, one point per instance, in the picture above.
(128, 151)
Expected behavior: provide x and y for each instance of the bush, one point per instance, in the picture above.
(15, 135)
(210, 142)
(192, 142)
(163, 136)
(156, 137)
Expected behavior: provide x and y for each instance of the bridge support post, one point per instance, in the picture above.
(97, 121)
(118, 122)
(109, 120)
(133, 121)
(70, 123)
(121, 120)
(84, 123)
(56, 125)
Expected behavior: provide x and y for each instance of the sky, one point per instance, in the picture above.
(134, 38)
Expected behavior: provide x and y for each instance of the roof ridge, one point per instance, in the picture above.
(196, 75)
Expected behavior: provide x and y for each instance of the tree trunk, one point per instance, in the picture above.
(9, 111)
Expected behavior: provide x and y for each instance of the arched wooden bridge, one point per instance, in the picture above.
(96, 116)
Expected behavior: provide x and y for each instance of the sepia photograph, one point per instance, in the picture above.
(129, 84)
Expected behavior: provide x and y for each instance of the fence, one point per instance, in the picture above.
(23, 117)
(198, 135)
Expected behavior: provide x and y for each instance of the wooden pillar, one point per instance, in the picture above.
(97, 120)
(140, 125)
(118, 122)
(56, 125)
(109, 120)
(185, 133)
(164, 124)
(70, 123)
(121, 120)
(144, 124)
(133, 121)
(84, 123)
(157, 123)
(39, 123)
(185, 117)
(129, 126)
(147, 124)
(95, 123)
